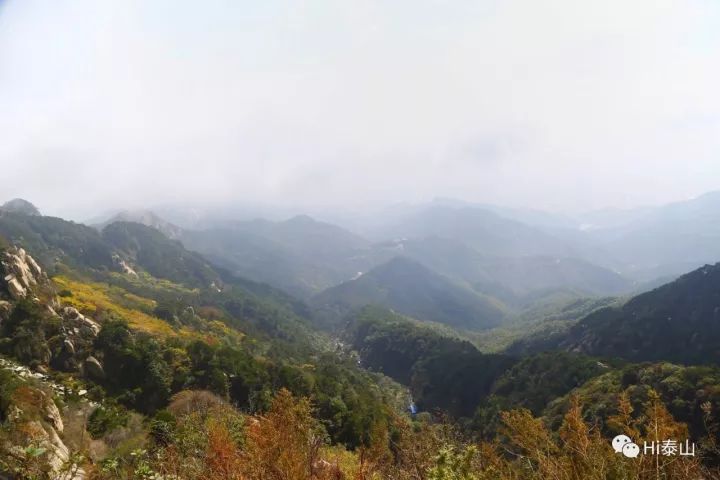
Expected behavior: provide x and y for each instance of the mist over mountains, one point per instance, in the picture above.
(515, 256)
(463, 241)
(469, 266)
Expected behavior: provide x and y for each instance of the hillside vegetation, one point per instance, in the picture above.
(677, 322)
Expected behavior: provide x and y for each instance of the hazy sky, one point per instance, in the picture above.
(555, 104)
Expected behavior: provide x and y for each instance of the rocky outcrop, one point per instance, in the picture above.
(20, 272)
(51, 413)
(71, 346)
(93, 369)
(35, 421)
(79, 323)
(124, 266)
(5, 309)
(62, 354)
(15, 288)
(23, 277)
(57, 454)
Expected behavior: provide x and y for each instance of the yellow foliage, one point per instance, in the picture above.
(221, 329)
(583, 454)
(147, 281)
(138, 300)
(284, 443)
(213, 440)
(92, 298)
(344, 460)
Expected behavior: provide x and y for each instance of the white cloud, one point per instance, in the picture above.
(571, 103)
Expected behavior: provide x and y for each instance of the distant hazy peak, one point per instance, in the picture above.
(405, 263)
(128, 215)
(18, 205)
(147, 218)
(301, 219)
(310, 223)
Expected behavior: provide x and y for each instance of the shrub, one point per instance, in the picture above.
(194, 401)
(106, 419)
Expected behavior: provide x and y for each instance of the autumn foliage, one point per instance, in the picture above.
(212, 440)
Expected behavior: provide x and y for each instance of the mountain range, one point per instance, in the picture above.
(462, 266)
(515, 256)
(377, 324)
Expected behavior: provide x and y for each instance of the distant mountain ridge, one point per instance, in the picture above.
(412, 289)
(671, 239)
(304, 256)
(513, 279)
(300, 255)
(519, 257)
(147, 218)
(528, 216)
(480, 229)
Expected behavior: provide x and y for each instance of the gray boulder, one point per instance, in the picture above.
(93, 369)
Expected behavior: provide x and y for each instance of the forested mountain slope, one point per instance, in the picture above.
(129, 340)
(516, 280)
(408, 287)
(677, 322)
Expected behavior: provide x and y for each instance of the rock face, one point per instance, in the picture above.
(52, 413)
(123, 265)
(15, 288)
(19, 275)
(21, 272)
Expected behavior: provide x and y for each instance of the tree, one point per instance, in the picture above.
(284, 444)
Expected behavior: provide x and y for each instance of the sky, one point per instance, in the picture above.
(561, 104)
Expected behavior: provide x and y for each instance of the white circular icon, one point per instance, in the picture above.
(619, 442)
(631, 450)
